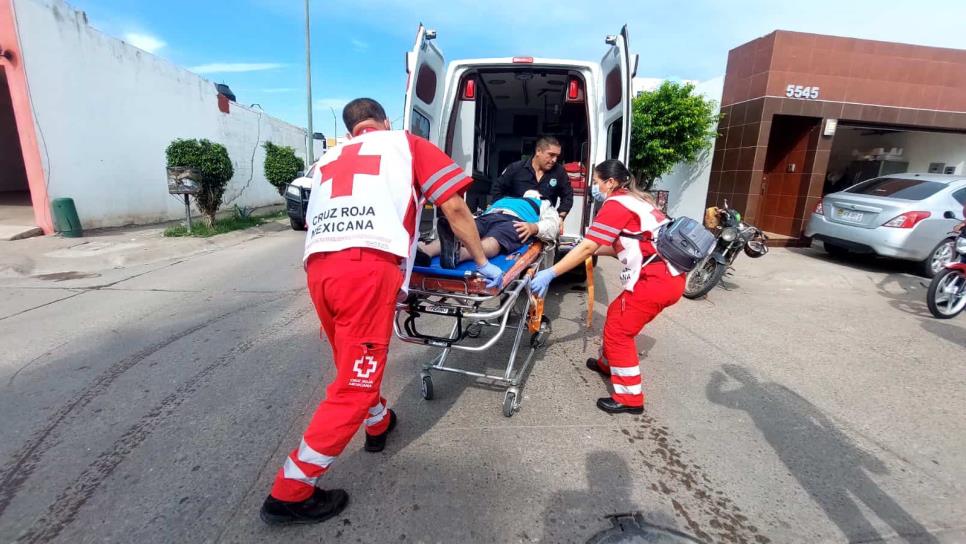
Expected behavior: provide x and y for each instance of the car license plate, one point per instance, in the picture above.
(850, 216)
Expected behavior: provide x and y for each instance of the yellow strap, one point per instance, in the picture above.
(589, 265)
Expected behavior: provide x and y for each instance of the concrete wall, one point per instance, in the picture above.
(919, 148)
(108, 110)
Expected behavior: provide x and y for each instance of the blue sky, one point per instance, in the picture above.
(257, 46)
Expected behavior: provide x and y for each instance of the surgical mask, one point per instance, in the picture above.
(595, 192)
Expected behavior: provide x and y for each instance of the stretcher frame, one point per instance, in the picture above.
(473, 312)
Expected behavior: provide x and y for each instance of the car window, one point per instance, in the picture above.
(311, 173)
(905, 189)
(960, 196)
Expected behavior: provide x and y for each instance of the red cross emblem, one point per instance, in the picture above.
(343, 170)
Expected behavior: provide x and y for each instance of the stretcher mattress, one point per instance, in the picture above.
(458, 280)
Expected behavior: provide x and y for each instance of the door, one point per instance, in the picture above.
(424, 88)
(616, 95)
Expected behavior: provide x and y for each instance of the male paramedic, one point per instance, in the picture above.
(362, 220)
(543, 173)
(504, 228)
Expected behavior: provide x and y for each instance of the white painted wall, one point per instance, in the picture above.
(687, 184)
(106, 111)
(919, 148)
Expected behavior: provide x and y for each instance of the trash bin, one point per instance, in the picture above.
(66, 221)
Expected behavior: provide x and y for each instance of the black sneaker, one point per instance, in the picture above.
(376, 443)
(422, 259)
(321, 506)
(449, 247)
(592, 364)
(611, 406)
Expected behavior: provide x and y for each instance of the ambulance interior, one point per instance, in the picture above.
(499, 115)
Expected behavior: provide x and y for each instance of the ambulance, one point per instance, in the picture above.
(488, 113)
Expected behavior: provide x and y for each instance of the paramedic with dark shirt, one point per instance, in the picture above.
(543, 173)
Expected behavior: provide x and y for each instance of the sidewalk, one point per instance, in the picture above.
(58, 258)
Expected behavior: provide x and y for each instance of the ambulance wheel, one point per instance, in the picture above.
(426, 387)
(509, 403)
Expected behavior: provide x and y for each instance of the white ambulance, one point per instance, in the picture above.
(488, 113)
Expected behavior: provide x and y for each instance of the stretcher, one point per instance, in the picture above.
(461, 295)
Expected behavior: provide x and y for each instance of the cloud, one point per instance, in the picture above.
(147, 42)
(359, 44)
(234, 67)
(325, 103)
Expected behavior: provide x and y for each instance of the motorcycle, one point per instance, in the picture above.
(946, 297)
(733, 236)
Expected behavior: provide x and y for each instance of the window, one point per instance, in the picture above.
(960, 196)
(613, 89)
(615, 133)
(426, 84)
(420, 125)
(904, 189)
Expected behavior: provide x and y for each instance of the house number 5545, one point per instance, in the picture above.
(797, 91)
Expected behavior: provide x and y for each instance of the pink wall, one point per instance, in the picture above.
(17, 82)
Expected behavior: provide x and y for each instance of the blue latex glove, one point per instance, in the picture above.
(541, 282)
(492, 274)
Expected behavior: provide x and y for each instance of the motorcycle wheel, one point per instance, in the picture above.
(946, 297)
(703, 278)
(755, 248)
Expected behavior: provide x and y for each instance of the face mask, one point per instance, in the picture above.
(595, 192)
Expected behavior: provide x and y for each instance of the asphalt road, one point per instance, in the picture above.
(810, 401)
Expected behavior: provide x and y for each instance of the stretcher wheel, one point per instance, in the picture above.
(426, 387)
(509, 403)
(539, 338)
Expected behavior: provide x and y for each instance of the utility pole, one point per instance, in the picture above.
(335, 126)
(308, 85)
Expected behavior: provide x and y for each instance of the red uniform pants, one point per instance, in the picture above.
(626, 317)
(354, 292)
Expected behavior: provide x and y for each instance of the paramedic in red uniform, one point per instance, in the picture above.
(362, 219)
(624, 226)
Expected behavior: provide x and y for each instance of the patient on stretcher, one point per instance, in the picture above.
(504, 228)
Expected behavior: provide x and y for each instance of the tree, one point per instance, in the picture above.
(212, 160)
(671, 125)
(282, 165)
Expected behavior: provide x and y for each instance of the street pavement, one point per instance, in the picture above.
(151, 388)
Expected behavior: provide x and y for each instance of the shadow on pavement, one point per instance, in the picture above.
(831, 468)
(589, 511)
(945, 330)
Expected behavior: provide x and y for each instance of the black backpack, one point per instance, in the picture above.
(682, 243)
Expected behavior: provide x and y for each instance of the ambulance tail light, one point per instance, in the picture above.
(469, 89)
(573, 90)
(522, 60)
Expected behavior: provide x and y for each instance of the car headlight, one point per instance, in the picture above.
(293, 190)
(961, 245)
(729, 234)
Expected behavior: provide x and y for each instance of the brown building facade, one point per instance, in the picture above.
(786, 96)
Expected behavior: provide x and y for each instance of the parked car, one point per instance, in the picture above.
(901, 216)
(297, 198)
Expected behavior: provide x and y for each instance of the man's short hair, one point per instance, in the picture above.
(547, 141)
(362, 109)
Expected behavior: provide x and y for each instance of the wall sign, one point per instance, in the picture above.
(798, 91)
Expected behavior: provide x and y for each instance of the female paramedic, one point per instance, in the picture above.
(624, 227)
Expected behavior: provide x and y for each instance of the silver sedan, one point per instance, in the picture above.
(902, 216)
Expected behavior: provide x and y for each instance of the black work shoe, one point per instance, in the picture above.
(592, 364)
(611, 406)
(376, 443)
(422, 259)
(449, 247)
(321, 506)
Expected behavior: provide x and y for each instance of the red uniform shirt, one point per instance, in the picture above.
(613, 218)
